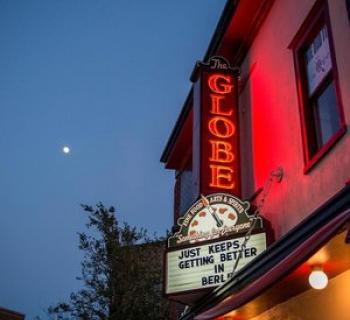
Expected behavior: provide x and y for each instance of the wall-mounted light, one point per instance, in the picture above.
(318, 279)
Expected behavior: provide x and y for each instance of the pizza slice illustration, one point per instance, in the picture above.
(204, 222)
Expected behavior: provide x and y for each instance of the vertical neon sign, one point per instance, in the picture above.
(215, 135)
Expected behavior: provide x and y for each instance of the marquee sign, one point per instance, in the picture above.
(215, 135)
(202, 253)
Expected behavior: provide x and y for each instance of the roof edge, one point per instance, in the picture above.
(177, 128)
(224, 21)
(214, 44)
(12, 312)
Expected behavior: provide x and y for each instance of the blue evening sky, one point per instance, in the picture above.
(108, 78)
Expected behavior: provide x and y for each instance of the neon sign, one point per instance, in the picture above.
(216, 128)
(221, 127)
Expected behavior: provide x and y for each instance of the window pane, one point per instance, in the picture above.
(318, 60)
(327, 114)
(186, 192)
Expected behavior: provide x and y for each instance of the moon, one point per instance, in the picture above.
(66, 150)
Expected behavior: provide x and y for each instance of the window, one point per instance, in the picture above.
(186, 191)
(319, 99)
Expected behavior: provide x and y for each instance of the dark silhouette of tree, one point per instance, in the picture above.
(121, 272)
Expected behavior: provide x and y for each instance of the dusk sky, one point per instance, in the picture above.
(108, 79)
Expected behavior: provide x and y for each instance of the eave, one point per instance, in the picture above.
(232, 38)
(180, 138)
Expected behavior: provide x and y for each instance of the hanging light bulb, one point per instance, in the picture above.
(318, 279)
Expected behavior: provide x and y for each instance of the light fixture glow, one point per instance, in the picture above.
(318, 279)
(66, 149)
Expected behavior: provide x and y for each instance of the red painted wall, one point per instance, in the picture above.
(270, 121)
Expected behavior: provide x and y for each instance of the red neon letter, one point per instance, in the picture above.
(221, 177)
(224, 88)
(227, 130)
(215, 105)
(221, 151)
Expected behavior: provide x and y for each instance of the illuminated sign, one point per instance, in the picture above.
(216, 215)
(202, 253)
(209, 265)
(215, 128)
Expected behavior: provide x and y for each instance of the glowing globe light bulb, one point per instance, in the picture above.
(66, 149)
(318, 279)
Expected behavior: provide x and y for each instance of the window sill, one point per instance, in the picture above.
(311, 163)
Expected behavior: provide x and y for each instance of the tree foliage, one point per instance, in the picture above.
(121, 272)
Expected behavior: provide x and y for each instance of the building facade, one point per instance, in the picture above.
(293, 118)
(6, 314)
